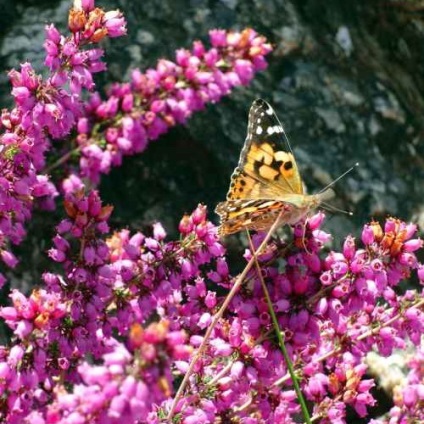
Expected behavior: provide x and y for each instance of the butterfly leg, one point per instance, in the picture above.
(304, 244)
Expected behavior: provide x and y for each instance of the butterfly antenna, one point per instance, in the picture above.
(339, 178)
(332, 208)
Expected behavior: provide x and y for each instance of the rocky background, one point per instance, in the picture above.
(346, 79)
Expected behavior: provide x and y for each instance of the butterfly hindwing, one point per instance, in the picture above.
(253, 214)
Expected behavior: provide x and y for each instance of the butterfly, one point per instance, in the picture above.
(266, 181)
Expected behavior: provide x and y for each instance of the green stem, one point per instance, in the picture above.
(218, 315)
(280, 338)
(61, 160)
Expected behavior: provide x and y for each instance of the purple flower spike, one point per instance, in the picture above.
(168, 95)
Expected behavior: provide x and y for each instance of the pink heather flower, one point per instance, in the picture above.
(326, 278)
(9, 258)
(413, 245)
(204, 321)
(158, 231)
(367, 235)
(349, 247)
(86, 5)
(15, 356)
(336, 413)
(210, 300)
(218, 37)
(317, 387)
(9, 314)
(115, 23)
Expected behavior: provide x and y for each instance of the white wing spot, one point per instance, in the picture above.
(269, 111)
(262, 114)
(266, 204)
(259, 130)
(270, 130)
(259, 120)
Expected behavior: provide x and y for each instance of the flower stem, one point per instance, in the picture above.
(280, 338)
(219, 314)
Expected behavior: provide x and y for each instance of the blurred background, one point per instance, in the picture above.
(345, 78)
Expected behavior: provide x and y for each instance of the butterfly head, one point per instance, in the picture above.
(323, 196)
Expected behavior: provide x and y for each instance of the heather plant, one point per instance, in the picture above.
(109, 338)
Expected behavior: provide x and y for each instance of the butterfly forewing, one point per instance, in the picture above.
(266, 158)
(266, 180)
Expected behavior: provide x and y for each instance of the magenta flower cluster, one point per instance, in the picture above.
(118, 300)
(160, 98)
(139, 305)
(108, 338)
(409, 398)
(47, 110)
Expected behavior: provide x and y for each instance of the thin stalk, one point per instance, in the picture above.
(280, 338)
(219, 315)
(62, 160)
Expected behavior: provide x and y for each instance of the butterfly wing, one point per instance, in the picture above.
(267, 168)
(256, 215)
(266, 180)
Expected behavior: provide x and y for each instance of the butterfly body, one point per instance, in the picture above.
(266, 181)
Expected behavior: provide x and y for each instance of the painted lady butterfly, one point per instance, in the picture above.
(266, 180)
